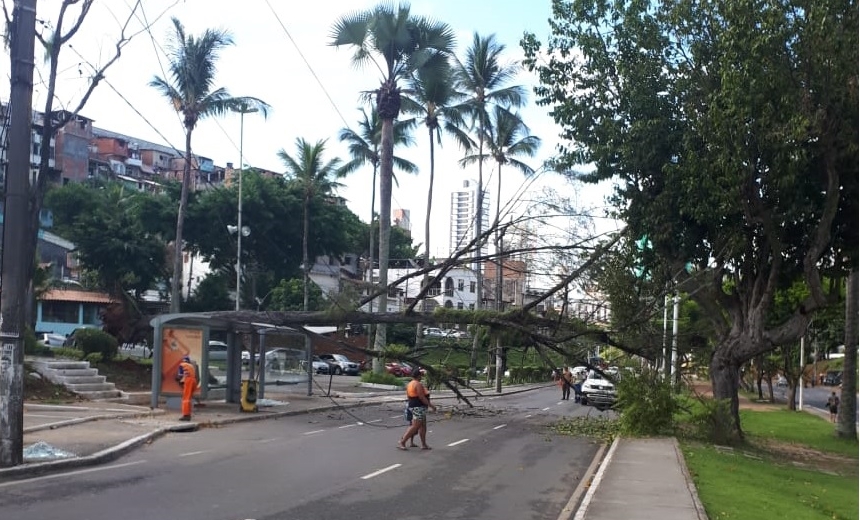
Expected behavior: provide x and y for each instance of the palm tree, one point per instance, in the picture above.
(363, 147)
(482, 78)
(432, 98)
(507, 137)
(315, 178)
(191, 92)
(397, 44)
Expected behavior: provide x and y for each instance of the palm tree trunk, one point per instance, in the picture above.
(498, 291)
(305, 261)
(419, 334)
(370, 253)
(176, 282)
(479, 216)
(386, 171)
(847, 424)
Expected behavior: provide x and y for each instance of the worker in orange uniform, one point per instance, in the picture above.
(187, 377)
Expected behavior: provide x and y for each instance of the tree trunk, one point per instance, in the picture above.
(386, 167)
(176, 281)
(725, 379)
(419, 330)
(847, 424)
(479, 218)
(306, 268)
(370, 253)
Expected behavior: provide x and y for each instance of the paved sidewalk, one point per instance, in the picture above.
(646, 479)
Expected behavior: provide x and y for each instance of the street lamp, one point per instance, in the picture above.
(242, 109)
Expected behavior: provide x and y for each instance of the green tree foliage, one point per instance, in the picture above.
(730, 129)
(211, 294)
(288, 295)
(113, 237)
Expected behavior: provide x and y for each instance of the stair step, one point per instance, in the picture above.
(76, 372)
(99, 395)
(90, 387)
(66, 365)
(81, 380)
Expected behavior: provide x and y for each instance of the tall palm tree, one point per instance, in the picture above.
(432, 98)
(315, 178)
(482, 77)
(507, 138)
(363, 146)
(190, 90)
(396, 44)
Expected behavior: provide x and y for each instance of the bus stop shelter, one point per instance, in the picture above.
(189, 334)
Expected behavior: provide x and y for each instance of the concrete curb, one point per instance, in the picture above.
(595, 482)
(688, 479)
(30, 470)
(568, 510)
(91, 418)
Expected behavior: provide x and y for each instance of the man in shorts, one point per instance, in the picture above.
(418, 405)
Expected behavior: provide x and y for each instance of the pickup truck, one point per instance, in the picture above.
(598, 391)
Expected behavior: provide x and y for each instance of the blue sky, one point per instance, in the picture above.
(274, 43)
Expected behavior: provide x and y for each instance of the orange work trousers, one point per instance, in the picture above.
(188, 386)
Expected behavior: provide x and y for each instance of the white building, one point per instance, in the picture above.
(456, 290)
(464, 205)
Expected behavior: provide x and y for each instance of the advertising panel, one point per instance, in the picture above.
(176, 343)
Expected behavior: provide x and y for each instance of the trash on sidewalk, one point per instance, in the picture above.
(41, 450)
(271, 402)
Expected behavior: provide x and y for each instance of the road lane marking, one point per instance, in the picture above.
(499, 427)
(349, 426)
(313, 432)
(380, 472)
(70, 473)
(375, 420)
(461, 441)
(192, 453)
(265, 441)
(529, 415)
(544, 409)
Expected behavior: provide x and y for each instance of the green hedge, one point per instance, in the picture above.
(96, 341)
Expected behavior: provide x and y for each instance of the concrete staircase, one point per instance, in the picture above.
(78, 377)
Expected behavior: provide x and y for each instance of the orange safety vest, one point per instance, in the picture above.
(412, 388)
(186, 370)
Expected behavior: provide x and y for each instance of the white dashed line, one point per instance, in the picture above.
(265, 441)
(313, 432)
(349, 426)
(529, 415)
(544, 409)
(373, 421)
(499, 427)
(380, 472)
(191, 453)
(461, 441)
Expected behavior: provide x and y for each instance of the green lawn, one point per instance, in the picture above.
(792, 467)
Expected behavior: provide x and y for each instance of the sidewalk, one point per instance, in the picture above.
(645, 476)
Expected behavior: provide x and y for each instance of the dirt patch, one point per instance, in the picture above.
(127, 374)
(37, 389)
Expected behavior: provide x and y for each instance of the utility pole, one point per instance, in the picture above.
(15, 258)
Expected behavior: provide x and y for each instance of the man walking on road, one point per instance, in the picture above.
(566, 383)
(418, 405)
(187, 376)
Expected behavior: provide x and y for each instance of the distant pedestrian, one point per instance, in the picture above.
(833, 406)
(566, 383)
(187, 376)
(417, 394)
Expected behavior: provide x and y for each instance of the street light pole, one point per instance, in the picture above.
(242, 111)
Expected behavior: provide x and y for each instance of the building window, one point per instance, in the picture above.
(471, 306)
(92, 313)
(448, 304)
(460, 306)
(473, 286)
(449, 287)
(460, 285)
(60, 312)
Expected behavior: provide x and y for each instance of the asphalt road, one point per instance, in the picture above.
(496, 461)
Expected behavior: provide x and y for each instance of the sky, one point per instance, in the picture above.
(282, 56)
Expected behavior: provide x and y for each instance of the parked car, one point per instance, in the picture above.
(52, 340)
(400, 369)
(833, 378)
(319, 366)
(598, 391)
(340, 364)
(433, 332)
(460, 334)
(71, 339)
(217, 351)
(781, 381)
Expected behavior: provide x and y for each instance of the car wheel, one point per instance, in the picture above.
(584, 401)
(337, 371)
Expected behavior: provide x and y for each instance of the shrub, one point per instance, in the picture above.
(31, 344)
(71, 353)
(95, 340)
(646, 402)
(712, 421)
(94, 358)
(381, 379)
